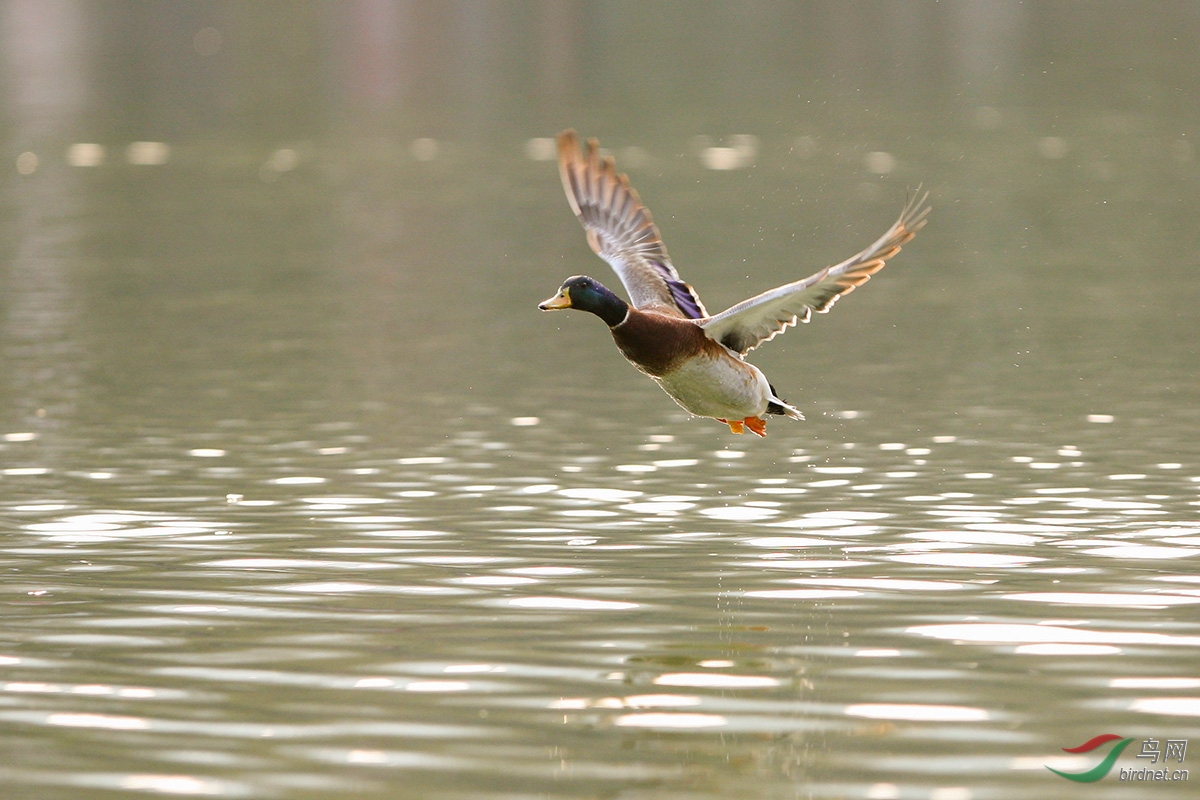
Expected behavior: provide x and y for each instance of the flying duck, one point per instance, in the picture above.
(696, 357)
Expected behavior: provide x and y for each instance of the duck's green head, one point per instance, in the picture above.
(588, 294)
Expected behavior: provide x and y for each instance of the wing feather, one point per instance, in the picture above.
(746, 325)
(620, 230)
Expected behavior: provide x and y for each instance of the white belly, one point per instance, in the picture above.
(716, 388)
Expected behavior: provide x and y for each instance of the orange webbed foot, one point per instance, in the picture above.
(735, 426)
(756, 425)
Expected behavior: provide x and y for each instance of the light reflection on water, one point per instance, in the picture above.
(303, 498)
(409, 616)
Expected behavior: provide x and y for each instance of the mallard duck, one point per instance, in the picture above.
(696, 357)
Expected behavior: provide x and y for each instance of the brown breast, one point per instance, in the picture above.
(657, 343)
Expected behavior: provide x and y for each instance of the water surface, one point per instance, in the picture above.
(302, 496)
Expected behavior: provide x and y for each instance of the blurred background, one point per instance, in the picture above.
(303, 497)
(352, 192)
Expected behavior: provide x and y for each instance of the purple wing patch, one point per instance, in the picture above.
(684, 296)
(687, 302)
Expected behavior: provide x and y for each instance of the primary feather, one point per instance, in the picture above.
(746, 325)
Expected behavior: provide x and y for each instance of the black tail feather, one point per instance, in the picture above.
(772, 406)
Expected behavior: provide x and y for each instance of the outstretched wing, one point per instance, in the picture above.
(620, 230)
(746, 325)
